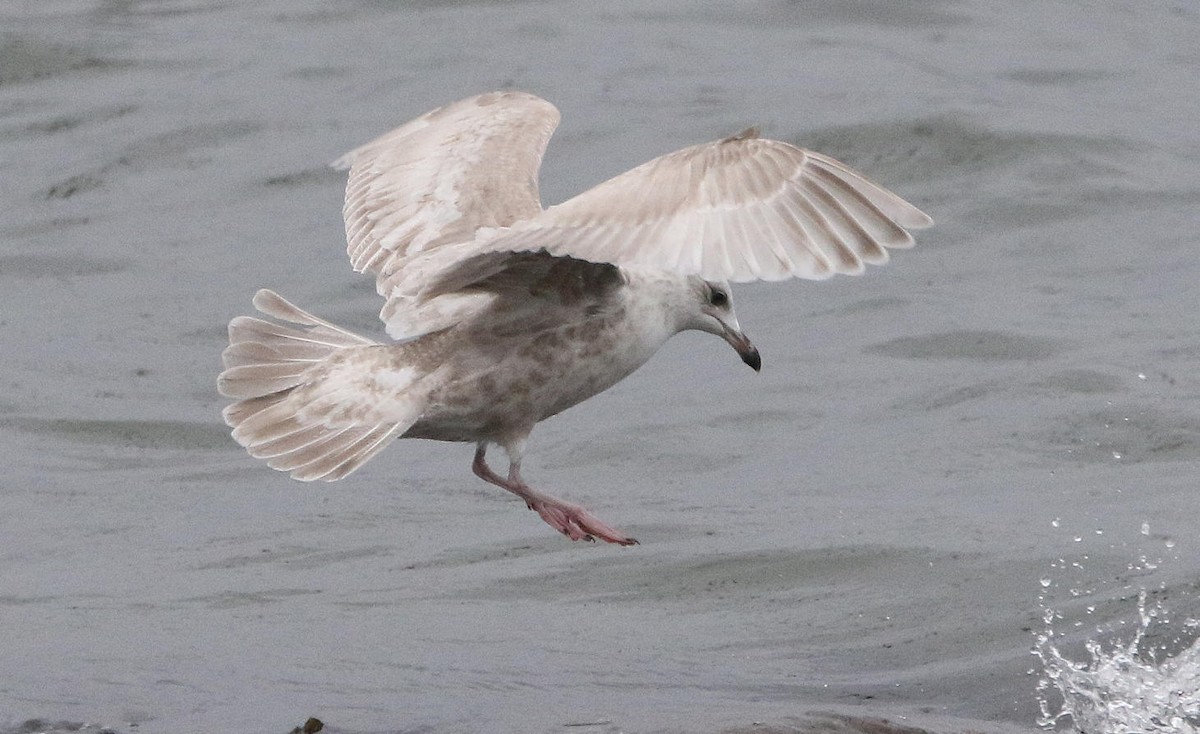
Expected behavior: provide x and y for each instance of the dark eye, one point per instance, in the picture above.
(718, 298)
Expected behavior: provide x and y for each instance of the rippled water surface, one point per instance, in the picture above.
(853, 541)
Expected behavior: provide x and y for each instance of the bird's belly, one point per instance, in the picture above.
(490, 398)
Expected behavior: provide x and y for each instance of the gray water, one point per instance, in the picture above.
(858, 533)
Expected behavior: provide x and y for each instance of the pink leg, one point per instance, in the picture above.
(569, 519)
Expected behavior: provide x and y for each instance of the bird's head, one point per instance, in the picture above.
(712, 311)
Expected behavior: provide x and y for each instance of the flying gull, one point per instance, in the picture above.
(504, 313)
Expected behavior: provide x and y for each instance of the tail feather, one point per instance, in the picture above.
(256, 380)
(248, 329)
(269, 424)
(333, 443)
(350, 450)
(235, 414)
(254, 352)
(372, 444)
(289, 443)
(272, 304)
(328, 429)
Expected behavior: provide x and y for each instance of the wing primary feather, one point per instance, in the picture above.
(809, 220)
(844, 257)
(773, 232)
(882, 228)
(854, 236)
(761, 256)
(866, 245)
(718, 261)
(897, 209)
(793, 243)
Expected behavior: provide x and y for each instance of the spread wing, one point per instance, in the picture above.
(738, 209)
(419, 190)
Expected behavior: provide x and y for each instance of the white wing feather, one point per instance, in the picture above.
(738, 209)
(433, 182)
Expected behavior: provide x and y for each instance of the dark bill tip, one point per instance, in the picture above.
(751, 357)
(744, 348)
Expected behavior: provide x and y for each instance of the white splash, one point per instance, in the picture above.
(1148, 683)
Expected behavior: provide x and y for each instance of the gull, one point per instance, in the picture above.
(502, 313)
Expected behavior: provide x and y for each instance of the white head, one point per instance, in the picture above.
(709, 307)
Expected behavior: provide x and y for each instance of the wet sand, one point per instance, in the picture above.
(861, 529)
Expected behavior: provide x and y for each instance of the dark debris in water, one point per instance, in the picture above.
(311, 726)
(46, 726)
(74, 185)
(316, 175)
(830, 724)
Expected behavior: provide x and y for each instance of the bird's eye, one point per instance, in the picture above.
(718, 298)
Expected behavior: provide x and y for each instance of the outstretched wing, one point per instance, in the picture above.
(436, 180)
(738, 209)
